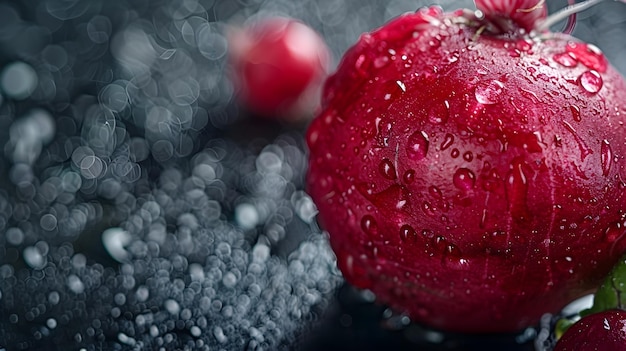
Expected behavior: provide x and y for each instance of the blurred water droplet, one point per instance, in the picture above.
(517, 190)
(219, 334)
(114, 241)
(565, 59)
(114, 97)
(439, 113)
(362, 64)
(229, 280)
(381, 61)
(211, 45)
(75, 284)
(369, 225)
(48, 222)
(615, 231)
(247, 215)
(51, 323)
(387, 169)
(171, 306)
(606, 157)
(14, 236)
(447, 141)
(18, 80)
(575, 110)
(417, 145)
(34, 257)
(407, 233)
(464, 179)
(260, 253)
(588, 54)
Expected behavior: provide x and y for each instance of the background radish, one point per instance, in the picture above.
(599, 331)
(603, 326)
(278, 65)
(469, 166)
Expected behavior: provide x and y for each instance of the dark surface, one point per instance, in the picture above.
(106, 71)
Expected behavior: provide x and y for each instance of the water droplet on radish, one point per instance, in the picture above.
(439, 113)
(606, 157)
(387, 169)
(565, 59)
(409, 176)
(575, 113)
(464, 179)
(407, 233)
(489, 92)
(447, 141)
(455, 153)
(417, 146)
(369, 225)
(591, 81)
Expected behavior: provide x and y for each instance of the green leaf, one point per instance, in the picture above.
(562, 325)
(612, 292)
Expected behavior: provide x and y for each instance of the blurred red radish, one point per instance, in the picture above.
(599, 331)
(603, 326)
(278, 66)
(469, 166)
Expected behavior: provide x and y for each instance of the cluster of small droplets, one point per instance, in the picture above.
(185, 276)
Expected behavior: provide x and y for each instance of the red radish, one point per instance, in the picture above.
(469, 166)
(603, 326)
(599, 331)
(278, 65)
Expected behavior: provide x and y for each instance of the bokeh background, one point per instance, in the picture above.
(142, 208)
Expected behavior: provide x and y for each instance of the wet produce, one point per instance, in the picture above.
(469, 166)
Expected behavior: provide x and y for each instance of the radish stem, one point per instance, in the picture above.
(564, 13)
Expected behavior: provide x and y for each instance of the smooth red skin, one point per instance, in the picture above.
(495, 257)
(599, 331)
(275, 62)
